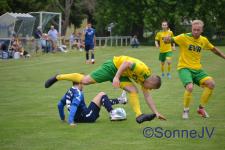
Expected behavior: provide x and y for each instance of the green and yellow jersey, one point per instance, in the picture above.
(138, 72)
(190, 50)
(164, 47)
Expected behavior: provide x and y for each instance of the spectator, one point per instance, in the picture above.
(134, 42)
(45, 43)
(53, 37)
(3, 51)
(38, 36)
(72, 40)
(79, 42)
(17, 49)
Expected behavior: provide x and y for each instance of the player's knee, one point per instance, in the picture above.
(87, 80)
(101, 94)
(210, 84)
(189, 87)
(169, 62)
(97, 101)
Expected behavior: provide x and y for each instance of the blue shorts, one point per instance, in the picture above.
(91, 114)
(89, 47)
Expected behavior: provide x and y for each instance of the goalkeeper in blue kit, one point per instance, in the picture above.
(78, 110)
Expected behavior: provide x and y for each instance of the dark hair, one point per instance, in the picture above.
(75, 83)
(165, 22)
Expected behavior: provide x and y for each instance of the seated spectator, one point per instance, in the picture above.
(17, 50)
(3, 47)
(62, 48)
(75, 41)
(72, 40)
(134, 42)
(79, 45)
(3, 51)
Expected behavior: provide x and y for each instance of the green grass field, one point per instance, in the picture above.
(29, 118)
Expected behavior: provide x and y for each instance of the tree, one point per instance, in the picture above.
(4, 7)
(65, 7)
(128, 18)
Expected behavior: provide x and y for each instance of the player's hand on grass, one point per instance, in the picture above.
(116, 82)
(161, 117)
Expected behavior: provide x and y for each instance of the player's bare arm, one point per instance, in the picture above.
(151, 104)
(116, 80)
(216, 51)
(156, 44)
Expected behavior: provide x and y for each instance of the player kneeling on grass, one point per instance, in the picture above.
(79, 112)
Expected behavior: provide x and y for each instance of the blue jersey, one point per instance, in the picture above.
(89, 36)
(74, 99)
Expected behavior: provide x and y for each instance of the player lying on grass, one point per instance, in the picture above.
(190, 68)
(79, 112)
(123, 71)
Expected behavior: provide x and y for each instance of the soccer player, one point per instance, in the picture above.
(165, 54)
(190, 68)
(79, 112)
(123, 71)
(89, 42)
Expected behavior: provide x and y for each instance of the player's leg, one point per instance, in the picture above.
(87, 48)
(169, 62)
(92, 54)
(186, 79)
(74, 77)
(128, 86)
(105, 72)
(91, 114)
(163, 68)
(101, 99)
(208, 84)
(162, 59)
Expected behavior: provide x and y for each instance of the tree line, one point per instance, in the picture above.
(129, 17)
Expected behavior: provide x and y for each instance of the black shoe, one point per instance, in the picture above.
(145, 117)
(50, 81)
